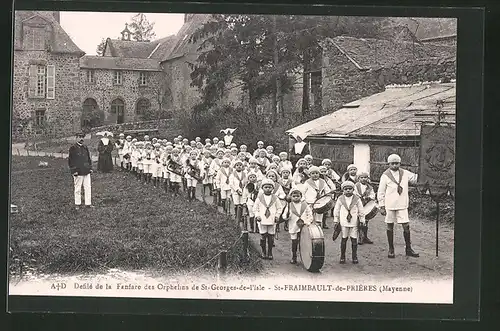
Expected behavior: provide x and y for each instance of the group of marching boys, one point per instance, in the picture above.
(263, 186)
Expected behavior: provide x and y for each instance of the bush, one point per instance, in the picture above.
(206, 121)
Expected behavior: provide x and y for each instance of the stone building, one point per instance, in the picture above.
(366, 131)
(46, 74)
(126, 84)
(353, 68)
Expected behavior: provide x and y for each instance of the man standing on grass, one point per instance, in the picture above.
(393, 201)
(80, 165)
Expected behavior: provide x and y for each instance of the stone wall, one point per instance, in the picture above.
(183, 96)
(103, 91)
(344, 83)
(61, 109)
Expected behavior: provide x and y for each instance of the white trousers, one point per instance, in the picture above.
(84, 181)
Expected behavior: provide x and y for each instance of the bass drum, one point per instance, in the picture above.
(312, 247)
(370, 210)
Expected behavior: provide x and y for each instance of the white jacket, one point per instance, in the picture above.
(388, 195)
(235, 179)
(340, 211)
(313, 192)
(275, 208)
(297, 211)
(222, 179)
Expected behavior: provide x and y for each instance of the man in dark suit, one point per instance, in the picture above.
(80, 166)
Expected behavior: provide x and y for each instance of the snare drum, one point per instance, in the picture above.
(323, 204)
(312, 247)
(370, 210)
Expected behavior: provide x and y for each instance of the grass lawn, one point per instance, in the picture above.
(132, 227)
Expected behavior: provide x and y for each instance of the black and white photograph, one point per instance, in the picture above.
(233, 156)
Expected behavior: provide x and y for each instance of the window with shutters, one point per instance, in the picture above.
(118, 77)
(41, 81)
(51, 81)
(143, 79)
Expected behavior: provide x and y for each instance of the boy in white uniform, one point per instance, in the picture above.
(314, 188)
(393, 201)
(365, 191)
(267, 208)
(156, 166)
(238, 181)
(127, 151)
(212, 172)
(222, 180)
(347, 210)
(249, 195)
(119, 146)
(191, 181)
(297, 213)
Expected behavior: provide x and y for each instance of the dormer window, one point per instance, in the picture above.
(34, 38)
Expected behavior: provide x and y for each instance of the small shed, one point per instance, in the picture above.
(366, 131)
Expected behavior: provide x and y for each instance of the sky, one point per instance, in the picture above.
(87, 29)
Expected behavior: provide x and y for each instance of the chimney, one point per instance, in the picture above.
(57, 16)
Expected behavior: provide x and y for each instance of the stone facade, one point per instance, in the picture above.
(104, 92)
(343, 81)
(59, 108)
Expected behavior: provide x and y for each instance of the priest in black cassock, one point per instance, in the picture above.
(105, 147)
(298, 150)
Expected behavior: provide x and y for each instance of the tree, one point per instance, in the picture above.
(100, 47)
(141, 28)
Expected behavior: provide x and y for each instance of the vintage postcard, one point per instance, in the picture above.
(233, 156)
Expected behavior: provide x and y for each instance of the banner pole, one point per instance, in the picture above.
(437, 228)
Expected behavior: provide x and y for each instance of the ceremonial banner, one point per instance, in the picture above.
(437, 159)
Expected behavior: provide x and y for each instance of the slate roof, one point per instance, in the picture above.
(396, 112)
(118, 63)
(61, 41)
(369, 53)
(428, 27)
(181, 45)
(163, 45)
(130, 48)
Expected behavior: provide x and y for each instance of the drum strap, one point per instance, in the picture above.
(388, 173)
(318, 189)
(263, 201)
(344, 203)
(366, 193)
(303, 207)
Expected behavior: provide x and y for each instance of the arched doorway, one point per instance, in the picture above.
(142, 108)
(90, 113)
(118, 108)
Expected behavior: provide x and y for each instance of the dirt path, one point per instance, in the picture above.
(373, 258)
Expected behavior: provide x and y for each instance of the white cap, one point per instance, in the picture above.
(313, 169)
(394, 158)
(267, 181)
(347, 183)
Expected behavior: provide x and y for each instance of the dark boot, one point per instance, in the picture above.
(270, 245)
(324, 222)
(354, 247)
(390, 241)
(367, 240)
(121, 166)
(237, 214)
(215, 200)
(343, 246)
(155, 182)
(252, 228)
(165, 186)
(295, 244)
(223, 203)
(409, 250)
(263, 247)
